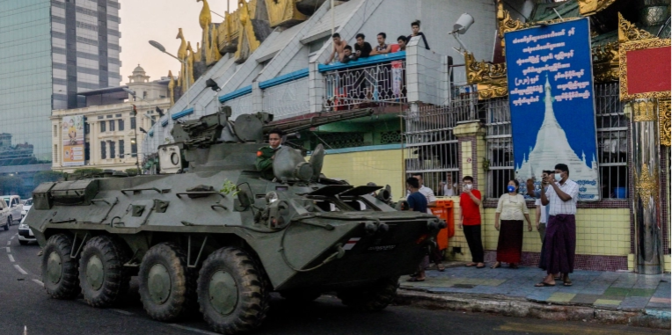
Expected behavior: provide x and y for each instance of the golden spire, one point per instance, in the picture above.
(182, 55)
(171, 88)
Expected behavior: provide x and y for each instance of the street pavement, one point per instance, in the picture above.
(623, 291)
(23, 302)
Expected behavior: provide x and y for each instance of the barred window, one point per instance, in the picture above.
(431, 148)
(612, 146)
(612, 141)
(121, 149)
(499, 146)
(112, 149)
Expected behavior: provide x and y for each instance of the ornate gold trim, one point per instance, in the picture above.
(590, 7)
(646, 184)
(664, 121)
(489, 78)
(283, 12)
(623, 66)
(247, 41)
(605, 62)
(644, 110)
(627, 31)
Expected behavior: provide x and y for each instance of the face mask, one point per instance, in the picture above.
(467, 187)
(558, 177)
(510, 188)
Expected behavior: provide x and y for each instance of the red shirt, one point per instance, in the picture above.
(471, 214)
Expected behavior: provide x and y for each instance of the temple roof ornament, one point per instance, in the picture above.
(627, 31)
(590, 7)
(247, 41)
(489, 78)
(283, 12)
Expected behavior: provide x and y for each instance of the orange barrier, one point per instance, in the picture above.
(444, 210)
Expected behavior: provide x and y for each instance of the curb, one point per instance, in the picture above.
(520, 307)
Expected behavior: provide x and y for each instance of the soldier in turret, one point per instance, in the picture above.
(265, 155)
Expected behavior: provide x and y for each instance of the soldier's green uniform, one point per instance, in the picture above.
(264, 162)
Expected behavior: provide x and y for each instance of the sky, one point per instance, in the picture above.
(159, 20)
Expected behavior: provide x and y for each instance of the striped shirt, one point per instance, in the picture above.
(557, 206)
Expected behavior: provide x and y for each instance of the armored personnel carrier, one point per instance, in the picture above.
(209, 233)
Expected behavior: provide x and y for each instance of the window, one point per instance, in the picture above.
(499, 146)
(121, 148)
(87, 128)
(132, 122)
(55, 153)
(112, 147)
(134, 149)
(103, 152)
(55, 130)
(112, 125)
(121, 124)
(612, 143)
(87, 151)
(102, 126)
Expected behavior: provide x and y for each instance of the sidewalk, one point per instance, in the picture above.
(615, 297)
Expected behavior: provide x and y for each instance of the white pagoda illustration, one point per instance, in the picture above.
(553, 148)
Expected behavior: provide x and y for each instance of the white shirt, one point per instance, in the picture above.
(542, 209)
(449, 192)
(429, 194)
(563, 207)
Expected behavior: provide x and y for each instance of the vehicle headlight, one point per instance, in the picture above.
(23, 226)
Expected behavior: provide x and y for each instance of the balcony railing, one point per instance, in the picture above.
(367, 82)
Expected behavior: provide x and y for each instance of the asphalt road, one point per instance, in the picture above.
(23, 302)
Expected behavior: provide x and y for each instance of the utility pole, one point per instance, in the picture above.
(135, 139)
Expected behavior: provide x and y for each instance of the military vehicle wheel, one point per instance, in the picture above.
(59, 270)
(371, 298)
(300, 296)
(164, 282)
(232, 292)
(103, 278)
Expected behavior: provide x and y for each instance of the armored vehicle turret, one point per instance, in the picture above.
(209, 233)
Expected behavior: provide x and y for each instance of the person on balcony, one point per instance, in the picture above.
(402, 40)
(382, 47)
(362, 48)
(339, 47)
(348, 56)
(415, 31)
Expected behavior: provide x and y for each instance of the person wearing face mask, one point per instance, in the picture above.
(511, 209)
(470, 221)
(560, 240)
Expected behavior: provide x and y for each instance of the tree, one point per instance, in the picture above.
(132, 172)
(86, 173)
(47, 176)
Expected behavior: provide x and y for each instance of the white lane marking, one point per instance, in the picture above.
(38, 282)
(11, 258)
(18, 268)
(8, 249)
(122, 311)
(13, 237)
(192, 329)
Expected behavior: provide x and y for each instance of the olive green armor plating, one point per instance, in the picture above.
(210, 233)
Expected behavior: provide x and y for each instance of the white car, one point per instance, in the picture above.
(15, 207)
(4, 215)
(27, 204)
(25, 233)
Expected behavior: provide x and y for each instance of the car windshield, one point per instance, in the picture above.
(29, 202)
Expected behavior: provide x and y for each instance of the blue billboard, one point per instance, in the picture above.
(551, 96)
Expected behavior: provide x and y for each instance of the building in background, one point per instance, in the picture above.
(106, 133)
(51, 50)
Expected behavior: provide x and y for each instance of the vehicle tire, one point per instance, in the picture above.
(9, 223)
(233, 292)
(372, 298)
(301, 296)
(23, 242)
(165, 283)
(103, 278)
(59, 270)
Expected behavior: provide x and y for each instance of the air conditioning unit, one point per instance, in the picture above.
(170, 159)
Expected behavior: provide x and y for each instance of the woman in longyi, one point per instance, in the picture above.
(511, 209)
